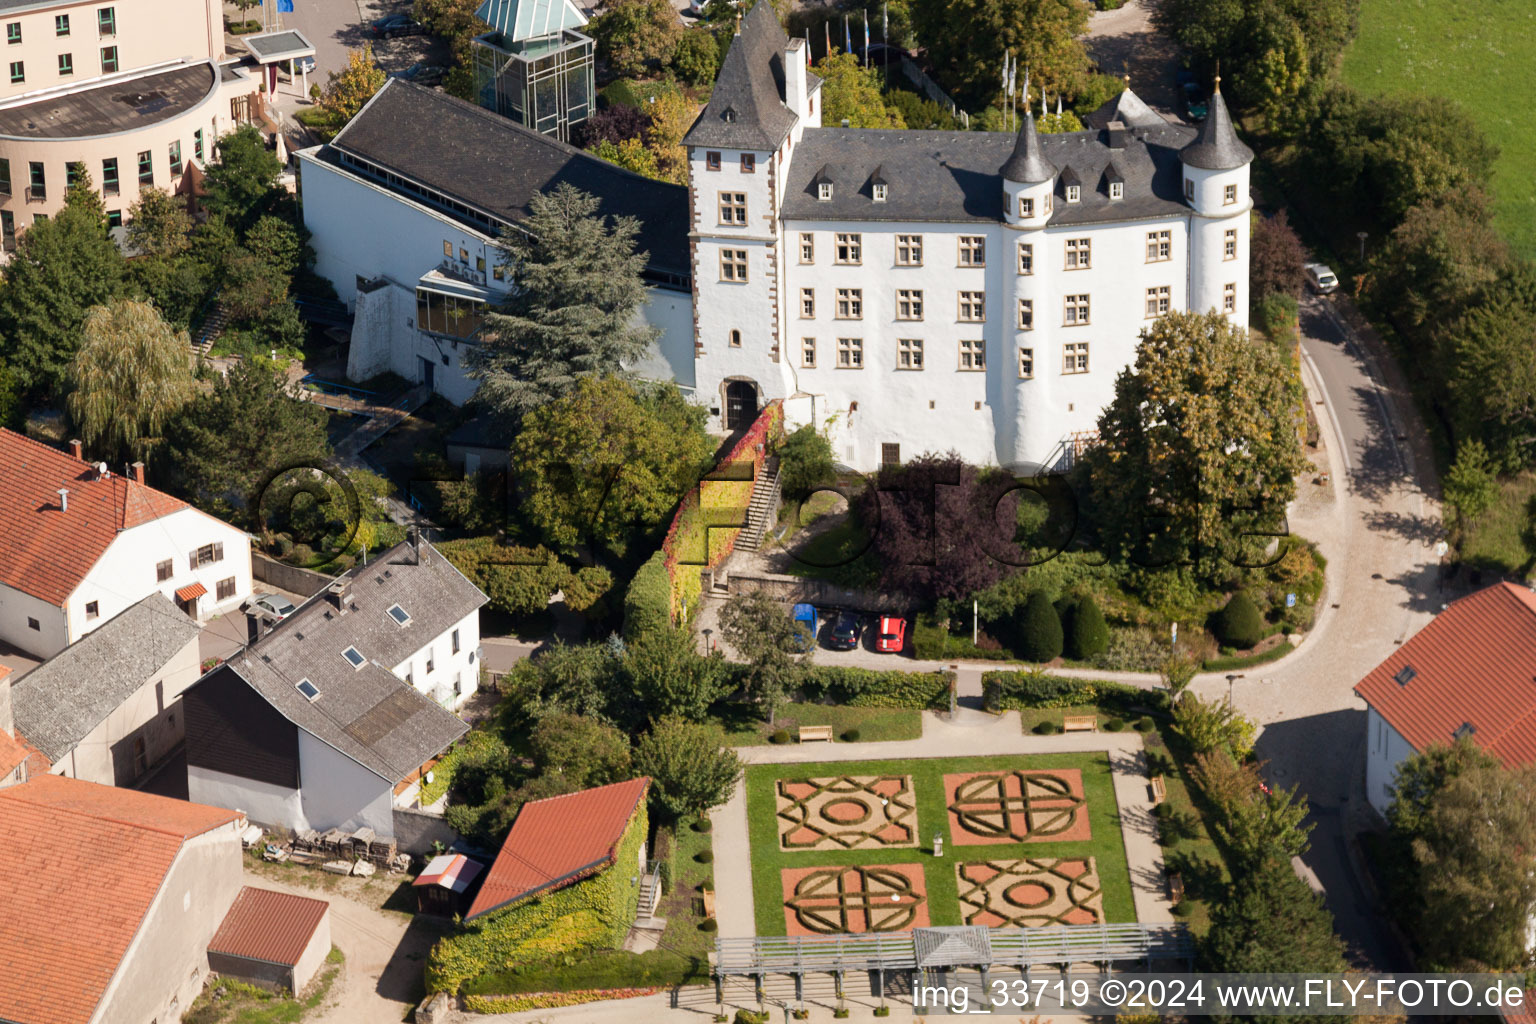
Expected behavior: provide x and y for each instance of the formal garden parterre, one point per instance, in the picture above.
(849, 847)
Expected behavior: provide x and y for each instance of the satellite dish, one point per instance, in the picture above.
(101, 467)
(428, 778)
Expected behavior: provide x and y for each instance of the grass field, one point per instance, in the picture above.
(1107, 845)
(1478, 53)
(1501, 538)
(874, 724)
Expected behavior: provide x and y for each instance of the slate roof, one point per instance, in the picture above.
(368, 713)
(746, 109)
(1473, 663)
(273, 927)
(558, 841)
(118, 106)
(953, 176)
(59, 702)
(1027, 164)
(80, 866)
(46, 552)
(1127, 108)
(1217, 147)
(490, 163)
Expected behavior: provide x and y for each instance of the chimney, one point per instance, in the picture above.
(77, 450)
(336, 593)
(63, 499)
(794, 77)
(1119, 134)
(136, 470)
(7, 721)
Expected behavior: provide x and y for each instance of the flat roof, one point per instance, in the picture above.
(111, 107)
(283, 45)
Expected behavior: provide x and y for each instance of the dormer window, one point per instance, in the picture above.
(824, 192)
(1026, 207)
(1464, 730)
(1116, 190)
(1405, 675)
(1074, 193)
(748, 163)
(880, 193)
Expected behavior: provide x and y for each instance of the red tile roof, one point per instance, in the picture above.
(558, 841)
(270, 926)
(1474, 664)
(46, 551)
(191, 591)
(12, 753)
(80, 865)
(1525, 1013)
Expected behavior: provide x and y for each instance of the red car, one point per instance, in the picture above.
(892, 636)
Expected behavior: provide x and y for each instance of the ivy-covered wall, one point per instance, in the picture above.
(594, 913)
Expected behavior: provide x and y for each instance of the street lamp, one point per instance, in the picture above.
(1362, 235)
(1232, 678)
(707, 646)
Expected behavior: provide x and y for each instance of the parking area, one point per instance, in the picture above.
(337, 26)
(865, 655)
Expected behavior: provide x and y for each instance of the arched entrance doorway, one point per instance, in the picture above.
(740, 404)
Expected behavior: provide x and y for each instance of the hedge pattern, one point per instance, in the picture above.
(646, 600)
(1022, 691)
(874, 688)
(594, 913)
(550, 1000)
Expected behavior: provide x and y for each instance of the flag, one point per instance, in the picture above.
(866, 38)
(284, 6)
(828, 26)
(847, 35)
(885, 23)
(807, 46)
(1058, 104)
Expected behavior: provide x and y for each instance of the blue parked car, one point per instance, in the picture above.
(809, 622)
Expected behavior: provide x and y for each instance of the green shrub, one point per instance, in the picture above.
(1090, 634)
(850, 736)
(1018, 691)
(709, 924)
(875, 688)
(805, 462)
(704, 856)
(882, 1011)
(840, 1013)
(1144, 723)
(1239, 623)
(779, 736)
(1046, 727)
(696, 56)
(1114, 725)
(752, 1017)
(703, 825)
(647, 602)
(1040, 631)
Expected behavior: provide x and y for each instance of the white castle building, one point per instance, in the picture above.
(907, 291)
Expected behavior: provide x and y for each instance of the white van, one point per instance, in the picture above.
(1321, 278)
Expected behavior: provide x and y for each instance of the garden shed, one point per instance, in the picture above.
(272, 939)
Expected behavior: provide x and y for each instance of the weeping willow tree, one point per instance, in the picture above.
(132, 373)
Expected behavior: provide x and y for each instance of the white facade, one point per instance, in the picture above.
(448, 668)
(1385, 749)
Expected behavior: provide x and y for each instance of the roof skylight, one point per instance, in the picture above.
(307, 688)
(400, 615)
(354, 657)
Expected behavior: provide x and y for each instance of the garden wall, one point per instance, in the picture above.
(796, 589)
(416, 831)
(288, 577)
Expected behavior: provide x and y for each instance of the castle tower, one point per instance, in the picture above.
(1029, 182)
(1216, 188)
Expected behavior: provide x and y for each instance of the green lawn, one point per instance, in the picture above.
(1480, 54)
(227, 1001)
(1501, 538)
(1107, 845)
(874, 724)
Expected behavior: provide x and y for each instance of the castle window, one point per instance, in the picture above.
(1116, 190)
(880, 193)
(973, 306)
(711, 161)
(850, 303)
(1229, 245)
(1026, 314)
(1229, 298)
(909, 354)
(735, 339)
(1074, 193)
(1026, 258)
(807, 303)
(909, 250)
(1078, 253)
(1076, 310)
(850, 353)
(973, 355)
(1189, 189)
(850, 248)
(748, 163)
(824, 192)
(1026, 363)
(1159, 246)
(1074, 357)
(1157, 301)
(909, 304)
(1026, 207)
(733, 265)
(807, 247)
(808, 353)
(1228, 195)
(973, 251)
(733, 208)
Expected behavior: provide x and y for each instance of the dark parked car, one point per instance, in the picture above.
(1194, 100)
(397, 25)
(845, 632)
(421, 73)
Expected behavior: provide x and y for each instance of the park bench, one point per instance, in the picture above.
(1176, 888)
(815, 732)
(709, 902)
(1079, 723)
(1159, 789)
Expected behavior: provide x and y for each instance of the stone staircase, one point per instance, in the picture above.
(764, 507)
(650, 893)
(212, 328)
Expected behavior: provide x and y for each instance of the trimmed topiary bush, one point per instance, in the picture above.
(1046, 727)
(779, 736)
(1114, 725)
(882, 1011)
(704, 856)
(1144, 723)
(1040, 636)
(702, 825)
(708, 925)
(1090, 634)
(850, 736)
(1239, 623)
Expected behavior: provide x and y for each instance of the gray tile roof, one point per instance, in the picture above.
(1027, 165)
(1217, 147)
(746, 109)
(113, 107)
(59, 702)
(1127, 108)
(368, 713)
(953, 176)
(489, 162)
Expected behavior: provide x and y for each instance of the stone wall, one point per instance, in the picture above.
(416, 831)
(797, 589)
(287, 577)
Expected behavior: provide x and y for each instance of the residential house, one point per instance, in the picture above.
(1467, 673)
(314, 724)
(111, 896)
(80, 543)
(108, 708)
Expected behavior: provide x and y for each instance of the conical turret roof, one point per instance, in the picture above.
(1217, 147)
(1027, 164)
